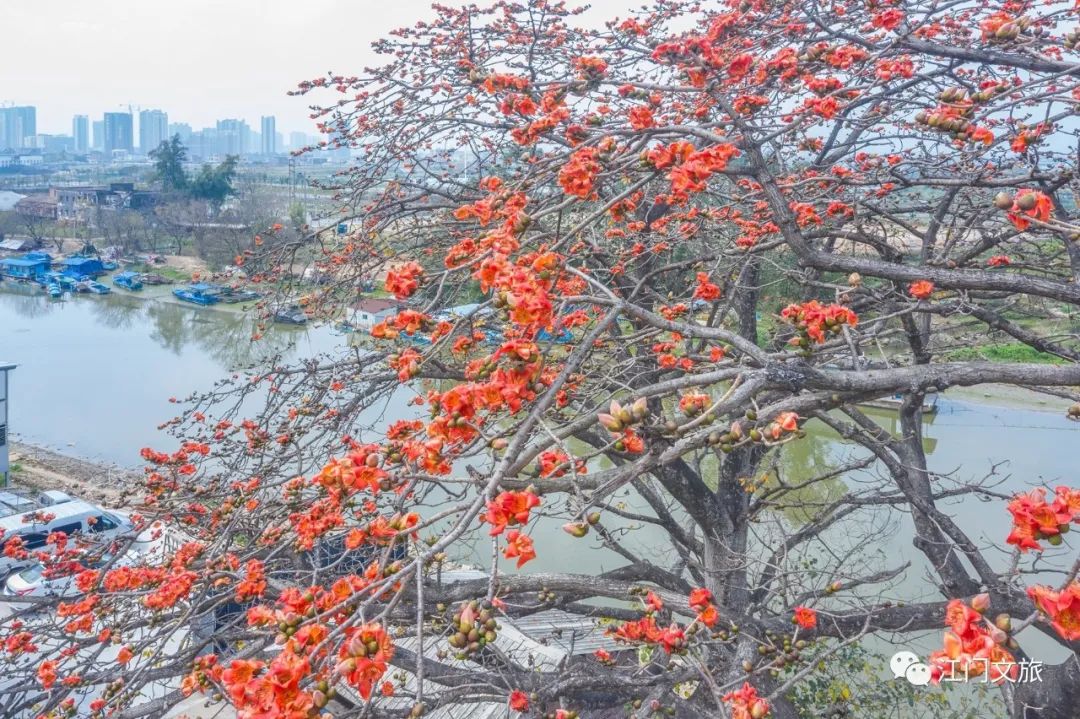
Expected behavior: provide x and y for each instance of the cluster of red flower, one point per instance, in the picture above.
(1035, 520)
(1062, 607)
(701, 601)
(745, 703)
(578, 176)
(1030, 205)
(973, 646)
(403, 279)
(509, 508)
(814, 320)
(706, 290)
(364, 656)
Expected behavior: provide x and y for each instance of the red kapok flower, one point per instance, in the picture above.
(1030, 205)
(403, 279)
(519, 701)
(921, 289)
(1063, 608)
(519, 545)
(745, 703)
(805, 617)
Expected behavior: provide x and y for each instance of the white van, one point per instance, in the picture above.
(71, 517)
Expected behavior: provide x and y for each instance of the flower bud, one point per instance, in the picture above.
(576, 529)
(610, 423)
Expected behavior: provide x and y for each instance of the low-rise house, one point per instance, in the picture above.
(27, 267)
(370, 311)
(41, 206)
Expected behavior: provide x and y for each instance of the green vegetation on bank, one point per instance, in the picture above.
(1004, 352)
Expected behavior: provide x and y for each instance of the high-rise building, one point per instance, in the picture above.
(118, 132)
(80, 130)
(232, 137)
(182, 129)
(153, 130)
(97, 137)
(269, 135)
(18, 126)
(204, 144)
(55, 144)
(297, 140)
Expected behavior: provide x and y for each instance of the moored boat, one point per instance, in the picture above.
(291, 315)
(199, 294)
(232, 295)
(97, 288)
(128, 280)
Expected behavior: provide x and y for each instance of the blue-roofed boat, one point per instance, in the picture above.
(199, 294)
(56, 278)
(54, 290)
(128, 280)
(80, 266)
(97, 288)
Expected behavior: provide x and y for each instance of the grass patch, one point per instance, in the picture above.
(1007, 352)
(165, 271)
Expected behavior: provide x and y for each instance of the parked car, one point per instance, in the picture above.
(73, 517)
(34, 582)
(13, 503)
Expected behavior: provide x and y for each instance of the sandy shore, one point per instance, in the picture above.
(39, 469)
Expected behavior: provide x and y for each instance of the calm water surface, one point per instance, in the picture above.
(96, 373)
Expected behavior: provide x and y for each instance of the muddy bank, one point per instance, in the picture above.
(39, 469)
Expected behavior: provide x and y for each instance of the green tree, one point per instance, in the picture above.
(215, 184)
(169, 160)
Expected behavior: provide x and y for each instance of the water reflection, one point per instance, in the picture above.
(95, 372)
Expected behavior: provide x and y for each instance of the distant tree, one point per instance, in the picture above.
(215, 184)
(169, 164)
(297, 215)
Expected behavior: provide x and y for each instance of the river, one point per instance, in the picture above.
(95, 376)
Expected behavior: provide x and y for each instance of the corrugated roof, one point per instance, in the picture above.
(569, 633)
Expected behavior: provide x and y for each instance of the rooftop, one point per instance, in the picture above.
(376, 304)
(22, 261)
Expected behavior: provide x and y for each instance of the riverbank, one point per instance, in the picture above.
(38, 470)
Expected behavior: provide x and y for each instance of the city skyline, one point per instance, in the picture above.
(211, 61)
(142, 132)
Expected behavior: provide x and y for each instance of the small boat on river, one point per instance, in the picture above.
(291, 315)
(198, 294)
(96, 288)
(232, 295)
(128, 280)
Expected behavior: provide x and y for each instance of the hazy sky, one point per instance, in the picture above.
(199, 60)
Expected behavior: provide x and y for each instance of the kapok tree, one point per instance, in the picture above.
(690, 234)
